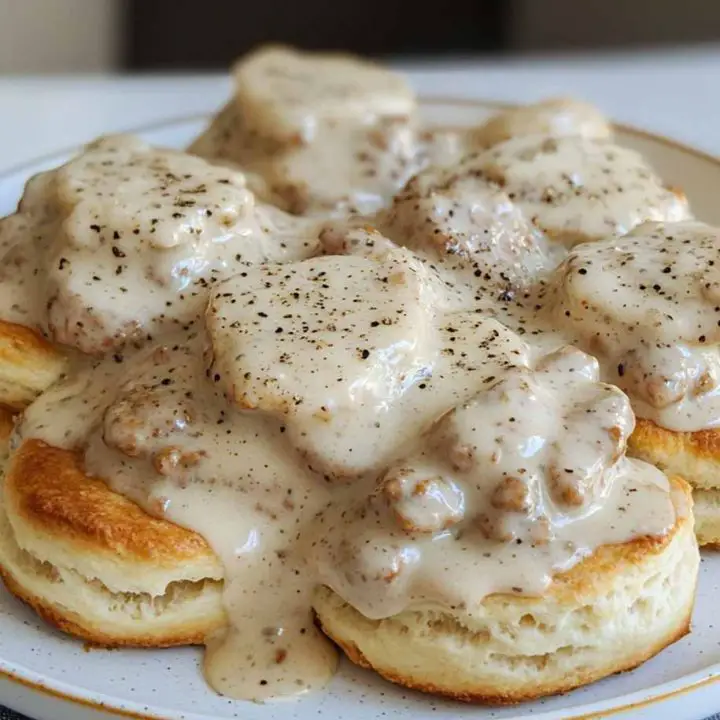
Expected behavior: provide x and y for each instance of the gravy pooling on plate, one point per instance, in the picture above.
(392, 398)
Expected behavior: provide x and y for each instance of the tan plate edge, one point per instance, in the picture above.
(649, 701)
(39, 687)
(77, 700)
(431, 99)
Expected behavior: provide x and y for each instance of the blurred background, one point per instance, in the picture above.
(106, 36)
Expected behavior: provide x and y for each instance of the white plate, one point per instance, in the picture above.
(49, 676)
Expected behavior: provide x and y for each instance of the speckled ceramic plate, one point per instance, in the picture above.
(49, 676)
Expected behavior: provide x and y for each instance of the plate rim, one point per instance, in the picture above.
(422, 100)
(600, 709)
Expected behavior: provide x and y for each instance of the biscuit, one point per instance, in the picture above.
(707, 518)
(557, 117)
(7, 422)
(609, 613)
(317, 133)
(283, 93)
(96, 565)
(29, 364)
(568, 186)
(695, 455)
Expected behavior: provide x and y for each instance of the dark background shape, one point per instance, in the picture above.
(209, 34)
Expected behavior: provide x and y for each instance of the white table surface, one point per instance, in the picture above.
(673, 93)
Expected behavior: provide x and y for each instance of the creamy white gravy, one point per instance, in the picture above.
(648, 305)
(389, 405)
(580, 188)
(554, 117)
(323, 134)
(125, 242)
(506, 489)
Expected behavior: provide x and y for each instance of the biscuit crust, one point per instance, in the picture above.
(609, 613)
(707, 518)
(47, 489)
(7, 423)
(29, 364)
(95, 564)
(108, 630)
(693, 455)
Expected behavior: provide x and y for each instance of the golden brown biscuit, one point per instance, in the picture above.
(95, 564)
(7, 422)
(707, 518)
(609, 613)
(29, 364)
(694, 455)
